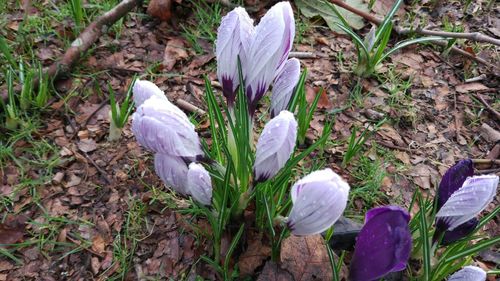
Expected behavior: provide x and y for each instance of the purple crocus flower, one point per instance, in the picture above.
(268, 52)
(275, 146)
(383, 245)
(173, 171)
(143, 90)
(468, 273)
(319, 199)
(284, 85)
(199, 183)
(467, 202)
(233, 40)
(163, 128)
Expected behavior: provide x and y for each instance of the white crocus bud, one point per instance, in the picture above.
(468, 273)
(319, 199)
(143, 90)
(275, 146)
(173, 171)
(199, 184)
(284, 85)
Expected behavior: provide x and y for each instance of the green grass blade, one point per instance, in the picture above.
(388, 18)
(406, 43)
(474, 249)
(426, 247)
(6, 51)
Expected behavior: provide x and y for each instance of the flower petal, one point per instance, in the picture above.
(199, 183)
(172, 171)
(268, 51)
(164, 128)
(275, 146)
(144, 89)
(467, 202)
(284, 85)
(233, 40)
(460, 231)
(468, 273)
(319, 199)
(383, 245)
(453, 179)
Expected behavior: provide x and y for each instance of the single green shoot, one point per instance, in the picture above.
(356, 143)
(78, 13)
(119, 113)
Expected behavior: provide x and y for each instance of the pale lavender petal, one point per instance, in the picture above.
(468, 273)
(164, 128)
(172, 171)
(143, 90)
(275, 146)
(284, 86)
(269, 50)
(233, 40)
(467, 202)
(319, 199)
(199, 183)
(370, 39)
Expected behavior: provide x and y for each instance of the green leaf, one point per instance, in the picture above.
(322, 8)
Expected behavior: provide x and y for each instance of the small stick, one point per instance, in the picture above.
(190, 107)
(302, 55)
(391, 146)
(476, 79)
(488, 107)
(486, 161)
(101, 171)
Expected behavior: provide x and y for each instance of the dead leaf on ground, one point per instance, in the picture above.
(98, 244)
(160, 9)
(382, 8)
(174, 51)
(272, 272)
(305, 257)
(470, 87)
(323, 102)
(254, 256)
(87, 145)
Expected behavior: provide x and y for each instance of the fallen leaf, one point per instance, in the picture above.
(174, 51)
(470, 87)
(323, 102)
(160, 9)
(305, 257)
(272, 272)
(254, 256)
(313, 8)
(490, 134)
(98, 244)
(87, 145)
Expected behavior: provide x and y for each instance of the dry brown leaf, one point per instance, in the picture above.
(87, 145)
(160, 9)
(174, 51)
(272, 272)
(98, 244)
(323, 102)
(470, 87)
(305, 257)
(254, 256)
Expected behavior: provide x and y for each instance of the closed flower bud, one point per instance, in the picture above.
(319, 199)
(383, 245)
(143, 90)
(468, 273)
(172, 171)
(275, 146)
(284, 86)
(163, 128)
(199, 183)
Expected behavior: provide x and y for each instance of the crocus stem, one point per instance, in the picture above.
(114, 131)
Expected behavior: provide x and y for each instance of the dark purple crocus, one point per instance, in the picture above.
(383, 245)
(459, 177)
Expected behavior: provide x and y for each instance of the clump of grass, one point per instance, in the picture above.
(207, 16)
(369, 174)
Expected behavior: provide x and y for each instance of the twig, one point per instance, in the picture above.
(85, 40)
(488, 107)
(101, 171)
(391, 146)
(402, 31)
(86, 121)
(488, 171)
(190, 107)
(302, 55)
(486, 161)
(476, 79)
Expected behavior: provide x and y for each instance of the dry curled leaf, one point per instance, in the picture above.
(305, 257)
(254, 256)
(160, 9)
(174, 51)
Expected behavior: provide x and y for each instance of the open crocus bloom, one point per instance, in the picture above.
(275, 146)
(467, 202)
(199, 183)
(143, 90)
(383, 245)
(263, 50)
(162, 127)
(468, 273)
(319, 199)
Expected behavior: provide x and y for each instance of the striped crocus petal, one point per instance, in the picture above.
(319, 199)
(459, 232)
(383, 245)
(233, 40)
(268, 51)
(467, 202)
(453, 179)
(275, 146)
(284, 85)
(468, 273)
(173, 171)
(199, 183)
(143, 90)
(163, 128)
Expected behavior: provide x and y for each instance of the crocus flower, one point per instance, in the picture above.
(319, 199)
(467, 202)
(143, 90)
(275, 146)
(468, 273)
(233, 40)
(163, 128)
(268, 51)
(284, 85)
(199, 183)
(452, 180)
(173, 171)
(383, 245)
